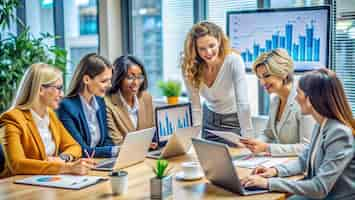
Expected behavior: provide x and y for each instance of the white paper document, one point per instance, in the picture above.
(62, 181)
(227, 135)
(252, 162)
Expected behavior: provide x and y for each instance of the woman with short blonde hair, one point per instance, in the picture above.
(287, 131)
(211, 69)
(35, 141)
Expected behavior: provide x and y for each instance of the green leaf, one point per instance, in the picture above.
(17, 52)
(170, 88)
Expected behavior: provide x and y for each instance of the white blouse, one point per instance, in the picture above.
(90, 111)
(45, 133)
(132, 111)
(228, 94)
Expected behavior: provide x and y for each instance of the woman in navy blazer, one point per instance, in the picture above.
(83, 110)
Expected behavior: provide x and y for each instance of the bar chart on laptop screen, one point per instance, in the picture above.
(171, 119)
(302, 33)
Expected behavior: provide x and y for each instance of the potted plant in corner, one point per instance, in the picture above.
(17, 52)
(171, 89)
(161, 186)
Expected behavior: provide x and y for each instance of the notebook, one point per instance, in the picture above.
(62, 181)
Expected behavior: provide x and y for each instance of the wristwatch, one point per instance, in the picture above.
(65, 157)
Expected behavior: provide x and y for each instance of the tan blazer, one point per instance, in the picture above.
(118, 121)
(23, 146)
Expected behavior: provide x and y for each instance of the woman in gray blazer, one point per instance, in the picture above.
(328, 163)
(287, 131)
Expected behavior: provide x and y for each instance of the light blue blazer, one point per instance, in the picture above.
(294, 130)
(333, 173)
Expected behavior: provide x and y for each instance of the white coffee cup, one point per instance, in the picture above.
(191, 170)
(119, 182)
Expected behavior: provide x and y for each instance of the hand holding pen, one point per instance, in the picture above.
(90, 158)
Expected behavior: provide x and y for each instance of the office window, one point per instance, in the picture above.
(39, 17)
(159, 29)
(294, 3)
(217, 9)
(345, 48)
(81, 31)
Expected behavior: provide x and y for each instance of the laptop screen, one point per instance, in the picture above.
(169, 118)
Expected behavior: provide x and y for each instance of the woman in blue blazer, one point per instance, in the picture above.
(83, 110)
(328, 163)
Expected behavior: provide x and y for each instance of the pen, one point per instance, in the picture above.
(90, 156)
(87, 154)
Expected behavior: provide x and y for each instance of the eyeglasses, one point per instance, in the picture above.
(131, 78)
(57, 87)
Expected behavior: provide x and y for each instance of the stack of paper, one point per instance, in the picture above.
(252, 162)
(229, 136)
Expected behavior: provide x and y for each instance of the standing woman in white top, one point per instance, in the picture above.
(287, 131)
(211, 69)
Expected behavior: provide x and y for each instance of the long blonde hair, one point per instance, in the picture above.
(278, 63)
(192, 64)
(36, 75)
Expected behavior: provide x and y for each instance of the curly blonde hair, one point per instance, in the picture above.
(278, 63)
(192, 64)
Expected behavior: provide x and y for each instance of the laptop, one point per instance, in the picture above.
(174, 130)
(178, 144)
(226, 176)
(132, 151)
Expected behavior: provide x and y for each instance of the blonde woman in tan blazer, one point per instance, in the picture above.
(129, 106)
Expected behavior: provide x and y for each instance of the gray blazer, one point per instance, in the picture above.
(333, 172)
(294, 130)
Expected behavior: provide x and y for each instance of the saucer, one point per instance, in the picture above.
(181, 176)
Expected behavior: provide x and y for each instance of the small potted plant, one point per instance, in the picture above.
(161, 186)
(171, 89)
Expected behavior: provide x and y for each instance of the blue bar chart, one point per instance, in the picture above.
(303, 33)
(306, 49)
(171, 119)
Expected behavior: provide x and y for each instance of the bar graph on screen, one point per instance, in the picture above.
(302, 32)
(170, 118)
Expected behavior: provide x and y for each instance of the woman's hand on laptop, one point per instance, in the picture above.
(255, 146)
(265, 172)
(254, 181)
(153, 145)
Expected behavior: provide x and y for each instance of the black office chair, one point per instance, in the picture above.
(2, 156)
(2, 159)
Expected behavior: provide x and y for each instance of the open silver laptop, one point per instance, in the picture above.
(132, 151)
(225, 176)
(178, 143)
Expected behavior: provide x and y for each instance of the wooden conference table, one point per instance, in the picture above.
(138, 186)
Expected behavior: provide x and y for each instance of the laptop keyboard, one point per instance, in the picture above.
(156, 152)
(253, 188)
(108, 163)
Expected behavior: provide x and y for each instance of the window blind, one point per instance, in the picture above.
(217, 9)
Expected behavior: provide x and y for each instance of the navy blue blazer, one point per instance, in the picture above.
(72, 115)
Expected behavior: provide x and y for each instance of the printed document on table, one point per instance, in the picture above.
(227, 135)
(62, 181)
